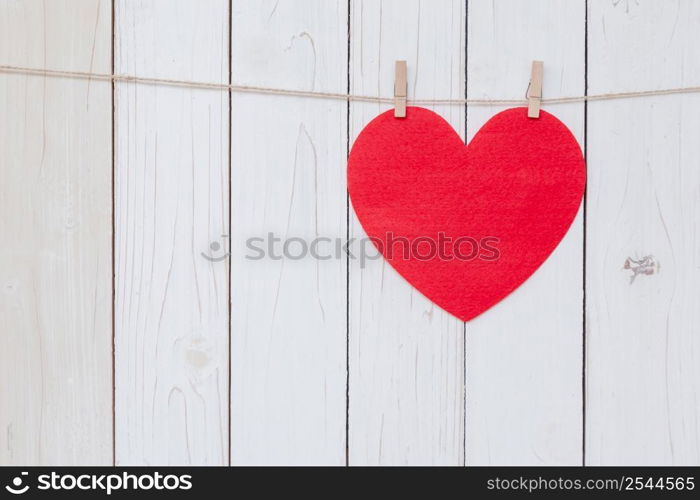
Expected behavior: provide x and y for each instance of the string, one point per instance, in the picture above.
(329, 95)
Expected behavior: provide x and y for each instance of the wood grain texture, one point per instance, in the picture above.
(406, 354)
(55, 255)
(338, 359)
(524, 356)
(288, 325)
(171, 308)
(643, 356)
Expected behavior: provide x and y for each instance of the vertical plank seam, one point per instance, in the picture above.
(464, 336)
(230, 215)
(347, 255)
(114, 337)
(585, 208)
(464, 395)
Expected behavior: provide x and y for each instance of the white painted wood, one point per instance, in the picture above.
(524, 356)
(288, 324)
(293, 320)
(406, 354)
(171, 308)
(644, 199)
(55, 222)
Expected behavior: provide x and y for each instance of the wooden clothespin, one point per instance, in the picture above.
(400, 89)
(534, 91)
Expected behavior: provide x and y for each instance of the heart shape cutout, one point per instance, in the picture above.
(466, 225)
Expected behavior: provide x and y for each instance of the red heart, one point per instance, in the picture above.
(519, 181)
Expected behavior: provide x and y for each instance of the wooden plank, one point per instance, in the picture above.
(171, 308)
(524, 356)
(406, 354)
(644, 177)
(56, 251)
(288, 331)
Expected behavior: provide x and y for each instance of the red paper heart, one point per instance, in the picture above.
(520, 181)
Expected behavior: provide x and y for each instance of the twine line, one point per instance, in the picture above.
(328, 95)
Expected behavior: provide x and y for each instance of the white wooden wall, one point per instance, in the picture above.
(120, 343)
(56, 236)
